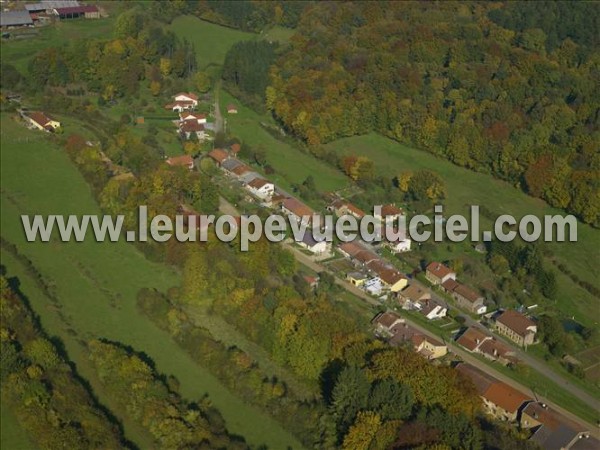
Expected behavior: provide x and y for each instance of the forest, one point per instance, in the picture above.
(475, 83)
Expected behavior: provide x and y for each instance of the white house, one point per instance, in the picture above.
(261, 188)
(316, 246)
(434, 310)
(186, 97)
(374, 286)
(183, 102)
(197, 117)
(399, 246)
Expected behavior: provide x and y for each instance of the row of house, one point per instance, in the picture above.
(441, 275)
(384, 277)
(510, 323)
(268, 193)
(389, 213)
(413, 297)
(476, 340)
(394, 329)
(548, 428)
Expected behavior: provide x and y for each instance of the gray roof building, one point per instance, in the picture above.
(15, 18)
(51, 4)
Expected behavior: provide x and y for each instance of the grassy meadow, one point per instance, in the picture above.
(210, 41)
(96, 284)
(12, 436)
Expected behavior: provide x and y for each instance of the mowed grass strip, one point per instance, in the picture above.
(291, 164)
(12, 436)
(211, 41)
(97, 283)
(465, 187)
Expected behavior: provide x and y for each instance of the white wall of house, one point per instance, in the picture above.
(263, 192)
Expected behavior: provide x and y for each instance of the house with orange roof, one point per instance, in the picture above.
(261, 188)
(389, 214)
(476, 340)
(501, 401)
(218, 155)
(181, 161)
(437, 273)
(297, 210)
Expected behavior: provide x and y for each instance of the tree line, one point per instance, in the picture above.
(445, 78)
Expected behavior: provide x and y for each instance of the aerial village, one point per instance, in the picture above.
(430, 296)
(497, 336)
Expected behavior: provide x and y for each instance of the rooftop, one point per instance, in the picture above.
(257, 183)
(439, 270)
(387, 319)
(183, 160)
(15, 18)
(415, 293)
(218, 154)
(516, 322)
(81, 9)
(390, 210)
(467, 293)
(296, 207)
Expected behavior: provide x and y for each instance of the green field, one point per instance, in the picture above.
(210, 41)
(97, 283)
(12, 437)
(291, 165)
(19, 51)
(465, 187)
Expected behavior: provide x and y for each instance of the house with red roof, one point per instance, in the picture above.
(187, 128)
(389, 214)
(437, 273)
(501, 401)
(218, 155)
(73, 12)
(41, 121)
(261, 188)
(297, 210)
(181, 161)
(476, 340)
